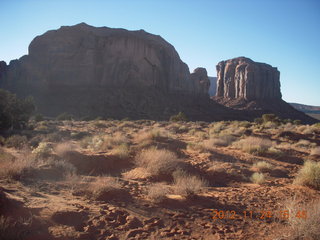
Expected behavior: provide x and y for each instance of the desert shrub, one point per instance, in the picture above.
(315, 151)
(304, 220)
(2, 140)
(187, 185)
(38, 117)
(303, 143)
(195, 146)
(157, 192)
(179, 117)
(217, 127)
(276, 153)
(16, 141)
(309, 175)
(258, 120)
(43, 150)
(98, 124)
(254, 145)
(297, 122)
(270, 118)
(145, 137)
(104, 142)
(223, 141)
(16, 168)
(104, 188)
(157, 161)
(310, 129)
(257, 178)
(14, 112)
(122, 151)
(263, 165)
(64, 116)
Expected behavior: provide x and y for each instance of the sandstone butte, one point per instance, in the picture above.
(107, 72)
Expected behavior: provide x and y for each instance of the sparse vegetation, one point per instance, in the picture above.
(157, 192)
(179, 117)
(263, 166)
(309, 175)
(122, 151)
(157, 161)
(16, 141)
(187, 185)
(304, 220)
(158, 165)
(254, 145)
(14, 112)
(257, 178)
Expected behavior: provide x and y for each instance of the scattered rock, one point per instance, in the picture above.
(134, 232)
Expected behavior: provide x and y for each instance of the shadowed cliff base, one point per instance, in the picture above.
(139, 103)
(263, 106)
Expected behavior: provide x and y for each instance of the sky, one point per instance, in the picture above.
(282, 33)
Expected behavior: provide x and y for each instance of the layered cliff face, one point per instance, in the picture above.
(102, 71)
(253, 88)
(243, 78)
(83, 55)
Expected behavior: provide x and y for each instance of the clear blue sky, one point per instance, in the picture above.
(283, 33)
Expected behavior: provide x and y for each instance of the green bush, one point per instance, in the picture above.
(297, 122)
(179, 117)
(270, 118)
(14, 112)
(38, 117)
(258, 120)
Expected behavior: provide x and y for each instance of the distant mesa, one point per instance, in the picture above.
(213, 86)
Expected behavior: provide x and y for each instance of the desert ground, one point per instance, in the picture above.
(144, 179)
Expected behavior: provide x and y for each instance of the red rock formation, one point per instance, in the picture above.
(243, 78)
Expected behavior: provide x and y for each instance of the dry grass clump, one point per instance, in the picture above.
(104, 142)
(217, 127)
(315, 151)
(103, 184)
(146, 136)
(254, 145)
(43, 150)
(222, 141)
(309, 175)
(122, 151)
(103, 188)
(157, 192)
(276, 153)
(36, 166)
(188, 185)
(303, 143)
(263, 166)
(304, 220)
(157, 161)
(257, 178)
(16, 168)
(196, 147)
(16, 141)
